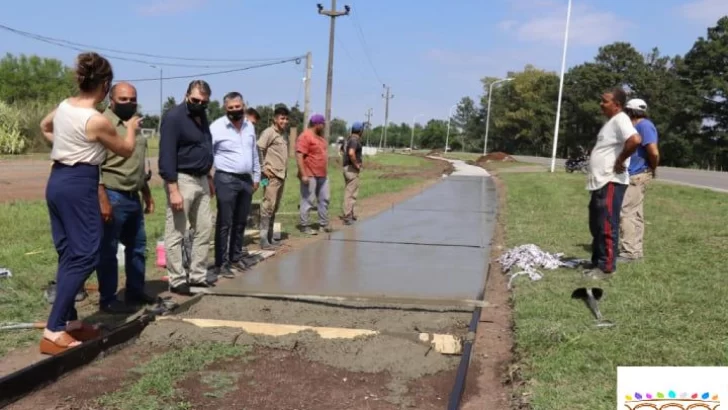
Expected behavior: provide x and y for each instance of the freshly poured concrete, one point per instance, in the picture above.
(435, 245)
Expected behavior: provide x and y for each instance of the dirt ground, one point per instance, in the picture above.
(299, 371)
(492, 351)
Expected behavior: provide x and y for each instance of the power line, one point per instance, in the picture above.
(235, 70)
(367, 54)
(75, 46)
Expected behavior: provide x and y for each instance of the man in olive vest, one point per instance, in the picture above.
(122, 188)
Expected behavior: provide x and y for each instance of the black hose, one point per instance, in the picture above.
(458, 389)
(17, 385)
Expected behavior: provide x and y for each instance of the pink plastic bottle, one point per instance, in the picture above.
(161, 255)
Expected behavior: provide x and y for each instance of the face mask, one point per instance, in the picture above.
(196, 109)
(235, 115)
(125, 111)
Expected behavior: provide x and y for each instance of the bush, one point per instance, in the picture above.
(12, 140)
(31, 113)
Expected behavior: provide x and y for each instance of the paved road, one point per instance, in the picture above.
(713, 180)
(435, 245)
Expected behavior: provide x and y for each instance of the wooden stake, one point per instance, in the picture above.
(442, 343)
(381, 299)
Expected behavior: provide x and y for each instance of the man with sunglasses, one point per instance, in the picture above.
(185, 162)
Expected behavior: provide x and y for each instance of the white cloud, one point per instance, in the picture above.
(169, 7)
(507, 25)
(588, 27)
(703, 11)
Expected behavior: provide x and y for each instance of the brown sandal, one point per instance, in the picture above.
(61, 344)
(85, 333)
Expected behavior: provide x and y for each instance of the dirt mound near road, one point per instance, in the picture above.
(495, 157)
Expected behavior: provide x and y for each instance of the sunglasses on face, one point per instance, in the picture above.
(199, 101)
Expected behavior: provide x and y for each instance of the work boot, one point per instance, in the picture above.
(272, 241)
(264, 231)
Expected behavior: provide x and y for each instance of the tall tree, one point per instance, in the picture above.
(168, 105)
(33, 78)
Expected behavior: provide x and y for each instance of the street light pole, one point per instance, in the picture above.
(487, 116)
(161, 99)
(561, 87)
(449, 118)
(412, 138)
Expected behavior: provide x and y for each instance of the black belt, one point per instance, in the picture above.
(241, 176)
(130, 194)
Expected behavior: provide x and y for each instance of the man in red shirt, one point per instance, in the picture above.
(312, 154)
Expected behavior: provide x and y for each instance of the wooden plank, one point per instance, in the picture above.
(381, 299)
(442, 343)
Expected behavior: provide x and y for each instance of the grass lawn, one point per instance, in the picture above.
(669, 310)
(27, 249)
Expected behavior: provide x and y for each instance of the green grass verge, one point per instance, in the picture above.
(154, 385)
(27, 249)
(669, 310)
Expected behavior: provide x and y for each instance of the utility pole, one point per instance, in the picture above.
(333, 14)
(161, 98)
(368, 125)
(307, 92)
(387, 96)
(161, 102)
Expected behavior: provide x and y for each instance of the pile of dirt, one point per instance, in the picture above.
(495, 157)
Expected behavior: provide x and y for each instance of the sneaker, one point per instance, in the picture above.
(183, 289)
(205, 284)
(596, 274)
(324, 229)
(308, 231)
(117, 307)
(349, 221)
(226, 271)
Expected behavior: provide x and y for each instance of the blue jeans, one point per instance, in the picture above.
(127, 227)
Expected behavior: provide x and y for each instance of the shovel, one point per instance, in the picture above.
(19, 326)
(590, 296)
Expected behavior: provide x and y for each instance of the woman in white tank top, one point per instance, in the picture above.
(80, 136)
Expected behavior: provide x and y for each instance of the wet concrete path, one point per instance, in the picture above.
(434, 245)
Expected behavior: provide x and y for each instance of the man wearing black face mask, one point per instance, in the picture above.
(237, 175)
(185, 162)
(121, 183)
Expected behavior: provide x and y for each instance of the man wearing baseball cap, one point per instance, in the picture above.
(312, 154)
(352, 167)
(642, 166)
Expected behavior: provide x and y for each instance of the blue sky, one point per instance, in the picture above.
(431, 53)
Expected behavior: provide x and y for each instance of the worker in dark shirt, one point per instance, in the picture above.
(185, 161)
(352, 168)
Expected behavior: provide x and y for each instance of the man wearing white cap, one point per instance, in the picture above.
(642, 166)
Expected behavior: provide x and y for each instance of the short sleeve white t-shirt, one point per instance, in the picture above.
(610, 143)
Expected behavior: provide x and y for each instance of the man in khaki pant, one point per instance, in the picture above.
(185, 162)
(273, 146)
(352, 167)
(643, 164)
